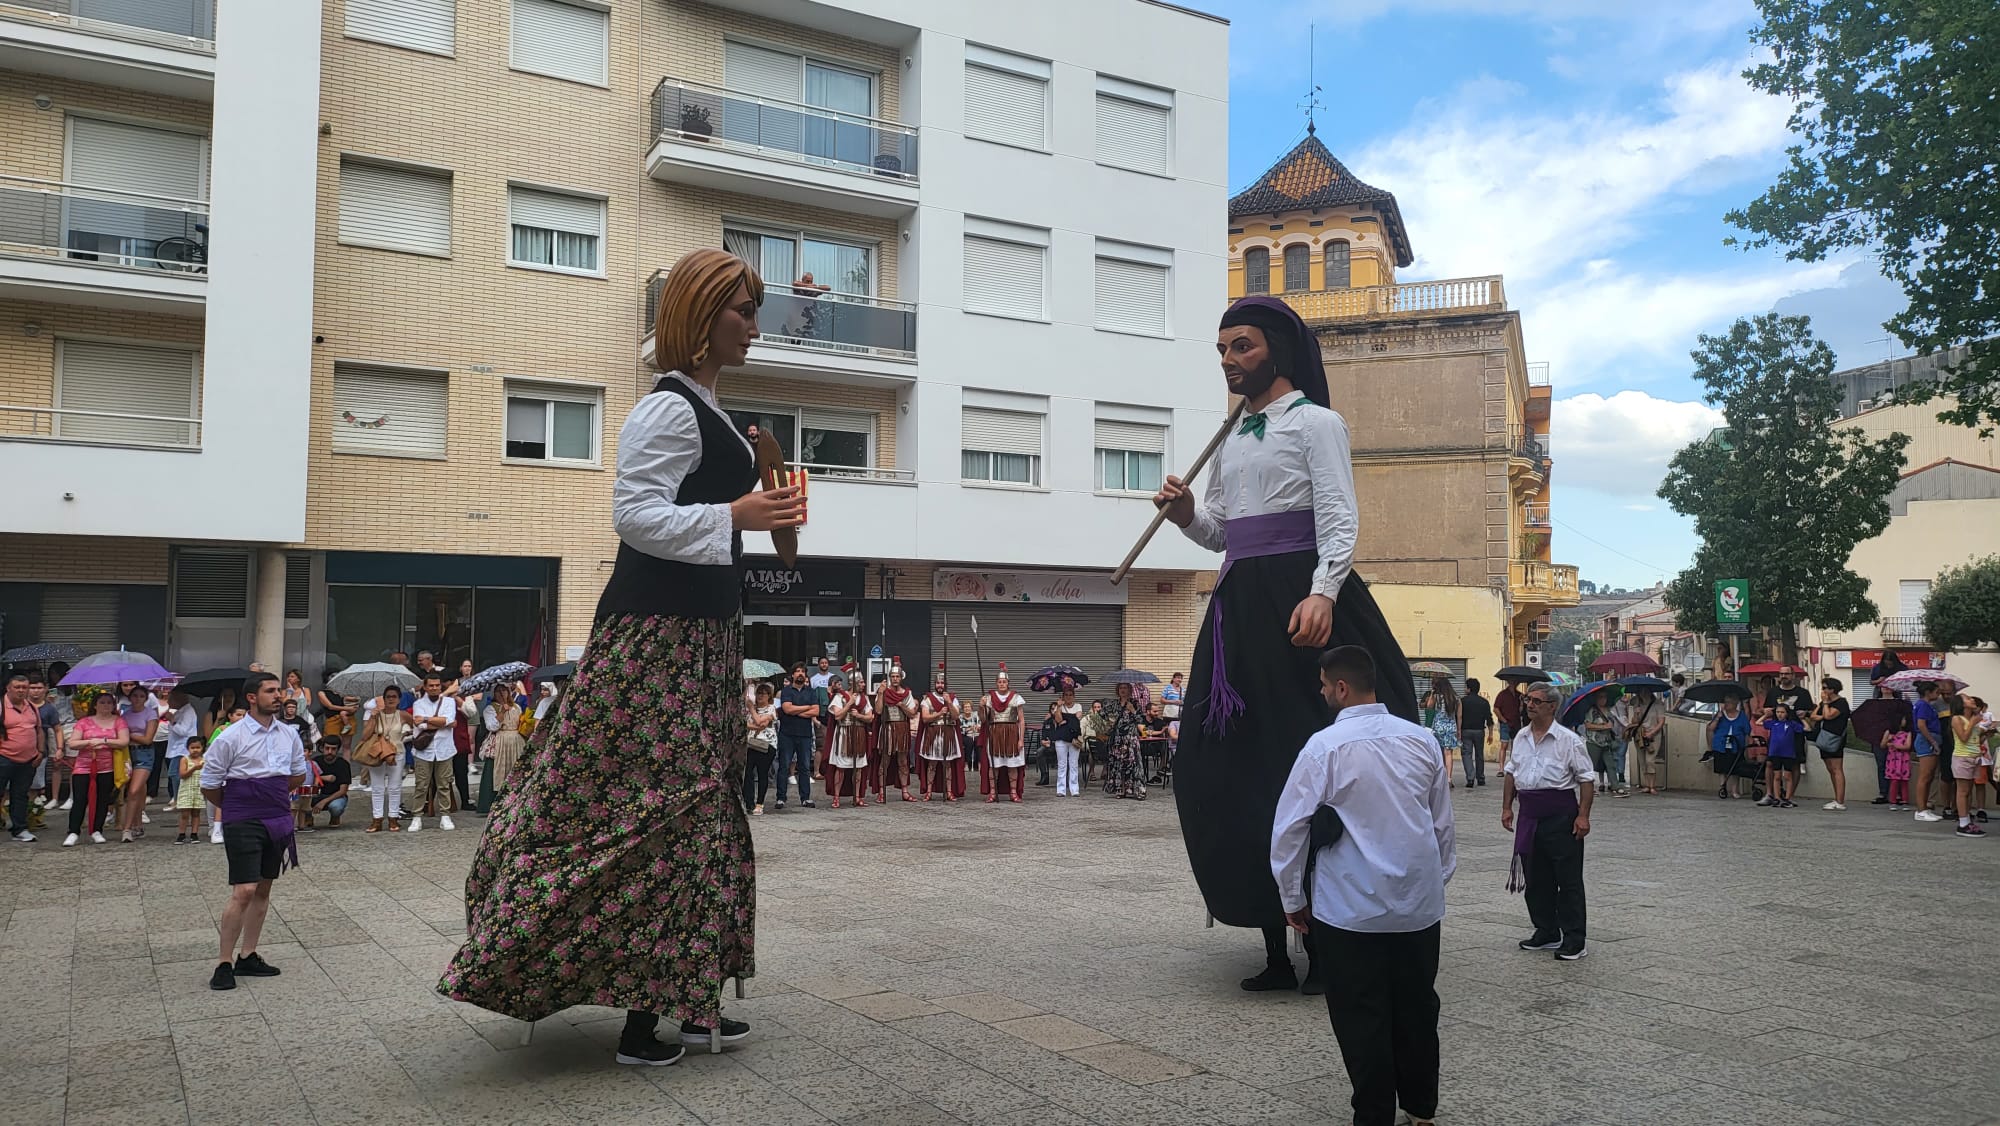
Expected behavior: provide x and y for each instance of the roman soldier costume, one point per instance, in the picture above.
(940, 758)
(1004, 766)
(896, 713)
(847, 742)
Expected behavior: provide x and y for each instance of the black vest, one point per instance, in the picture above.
(645, 584)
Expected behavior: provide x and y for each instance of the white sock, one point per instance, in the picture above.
(1964, 821)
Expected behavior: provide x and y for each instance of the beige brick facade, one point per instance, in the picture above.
(33, 140)
(1163, 617)
(28, 363)
(81, 559)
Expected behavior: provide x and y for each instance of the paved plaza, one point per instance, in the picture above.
(1036, 965)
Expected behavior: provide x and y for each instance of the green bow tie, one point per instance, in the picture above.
(1254, 423)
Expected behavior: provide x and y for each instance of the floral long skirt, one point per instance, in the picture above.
(617, 868)
(1124, 775)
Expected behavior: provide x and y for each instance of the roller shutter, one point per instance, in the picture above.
(395, 208)
(421, 25)
(211, 584)
(561, 40)
(1008, 278)
(144, 384)
(82, 615)
(1134, 135)
(1026, 637)
(388, 412)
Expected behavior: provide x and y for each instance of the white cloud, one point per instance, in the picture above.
(1621, 445)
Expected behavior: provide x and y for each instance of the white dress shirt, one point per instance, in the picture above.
(185, 725)
(659, 445)
(1386, 779)
(249, 748)
(441, 747)
(1301, 462)
(1555, 761)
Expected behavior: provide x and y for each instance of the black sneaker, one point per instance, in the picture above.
(1542, 940)
(1572, 954)
(254, 965)
(651, 1053)
(1979, 816)
(808, 803)
(224, 976)
(1314, 985)
(696, 1034)
(1879, 801)
(1273, 978)
(1970, 830)
(180, 838)
(780, 804)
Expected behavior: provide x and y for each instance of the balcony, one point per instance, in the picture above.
(1538, 374)
(1528, 462)
(1535, 515)
(72, 245)
(1904, 631)
(713, 137)
(1415, 299)
(1534, 582)
(157, 46)
(802, 331)
(121, 429)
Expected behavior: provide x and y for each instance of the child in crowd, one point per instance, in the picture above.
(1897, 742)
(1967, 753)
(1787, 737)
(187, 802)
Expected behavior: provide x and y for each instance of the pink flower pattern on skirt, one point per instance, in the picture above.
(617, 869)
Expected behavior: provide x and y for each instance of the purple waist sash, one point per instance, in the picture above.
(268, 800)
(1536, 805)
(1248, 537)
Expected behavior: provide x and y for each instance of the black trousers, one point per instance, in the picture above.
(1555, 880)
(1381, 994)
(15, 778)
(79, 810)
(756, 778)
(461, 774)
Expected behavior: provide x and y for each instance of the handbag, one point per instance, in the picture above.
(375, 751)
(423, 740)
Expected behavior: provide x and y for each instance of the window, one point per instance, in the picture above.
(1001, 446)
(783, 257)
(142, 388)
(1132, 288)
(1256, 270)
(1006, 269)
(1298, 268)
(552, 231)
(1130, 456)
(1135, 126)
(1910, 595)
(1338, 268)
(799, 80)
(1006, 98)
(835, 439)
(561, 40)
(388, 411)
(121, 157)
(551, 422)
(420, 25)
(395, 208)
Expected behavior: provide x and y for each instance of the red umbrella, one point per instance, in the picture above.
(1770, 668)
(1624, 662)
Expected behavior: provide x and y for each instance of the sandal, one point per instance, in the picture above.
(374, 826)
(395, 826)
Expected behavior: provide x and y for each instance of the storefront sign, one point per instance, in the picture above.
(1869, 658)
(1061, 588)
(765, 576)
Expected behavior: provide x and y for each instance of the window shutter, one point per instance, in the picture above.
(1134, 436)
(298, 585)
(410, 406)
(1131, 296)
(1001, 105)
(1910, 595)
(421, 25)
(134, 158)
(762, 72)
(1002, 432)
(849, 422)
(1134, 135)
(80, 615)
(562, 40)
(556, 212)
(211, 584)
(91, 376)
(395, 208)
(1004, 277)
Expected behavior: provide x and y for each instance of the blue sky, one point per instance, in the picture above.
(1587, 150)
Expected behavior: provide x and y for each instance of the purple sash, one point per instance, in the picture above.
(1535, 805)
(1249, 537)
(268, 800)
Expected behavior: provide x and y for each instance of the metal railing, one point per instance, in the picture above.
(1445, 296)
(1538, 374)
(697, 113)
(1535, 515)
(109, 228)
(1904, 631)
(1538, 581)
(186, 24)
(878, 474)
(810, 318)
(97, 428)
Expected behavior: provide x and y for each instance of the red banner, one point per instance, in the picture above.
(1911, 658)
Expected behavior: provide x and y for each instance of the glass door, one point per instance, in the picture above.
(438, 618)
(363, 623)
(838, 140)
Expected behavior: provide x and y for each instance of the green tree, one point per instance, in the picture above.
(1778, 496)
(1587, 656)
(1896, 107)
(1963, 607)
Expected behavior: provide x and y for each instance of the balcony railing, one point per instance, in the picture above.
(697, 113)
(1447, 296)
(187, 24)
(877, 474)
(1538, 374)
(97, 428)
(806, 318)
(109, 228)
(1535, 515)
(1535, 581)
(1904, 631)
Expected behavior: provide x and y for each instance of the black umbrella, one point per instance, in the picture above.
(554, 672)
(1051, 677)
(1523, 674)
(1876, 718)
(1132, 676)
(1648, 683)
(208, 682)
(1715, 691)
(45, 651)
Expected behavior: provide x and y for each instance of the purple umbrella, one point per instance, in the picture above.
(114, 665)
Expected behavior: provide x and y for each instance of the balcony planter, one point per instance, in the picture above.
(695, 124)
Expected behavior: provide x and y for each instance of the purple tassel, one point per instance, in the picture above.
(1516, 881)
(1223, 702)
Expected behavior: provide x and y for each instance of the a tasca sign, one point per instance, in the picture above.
(766, 577)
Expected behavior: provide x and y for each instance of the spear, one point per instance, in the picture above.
(978, 661)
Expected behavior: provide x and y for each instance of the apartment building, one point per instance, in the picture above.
(990, 250)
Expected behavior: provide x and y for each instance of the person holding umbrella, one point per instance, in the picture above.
(94, 744)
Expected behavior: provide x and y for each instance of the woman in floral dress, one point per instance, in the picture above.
(1124, 777)
(616, 869)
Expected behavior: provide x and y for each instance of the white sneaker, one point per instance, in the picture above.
(145, 818)
(1927, 815)
(215, 833)
(25, 837)
(1837, 807)
(97, 838)
(416, 825)
(66, 803)
(70, 841)
(445, 824)
(125, 837)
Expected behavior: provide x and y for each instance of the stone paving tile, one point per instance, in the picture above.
(1073, 985)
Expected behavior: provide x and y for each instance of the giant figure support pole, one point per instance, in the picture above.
(1187, 482)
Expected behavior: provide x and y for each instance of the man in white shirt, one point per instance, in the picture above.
(250, 771)
(823, 677)
(432, 715)
(1376, 904)
(1549, 769)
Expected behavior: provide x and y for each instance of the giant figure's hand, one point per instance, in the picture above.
(1178, 501)
(1312, 621)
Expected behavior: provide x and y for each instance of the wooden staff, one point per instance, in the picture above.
(1187, 482)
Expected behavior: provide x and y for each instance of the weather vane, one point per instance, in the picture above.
(1312, 105)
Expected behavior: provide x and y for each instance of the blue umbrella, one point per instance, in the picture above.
(1578, 705)
(498, 674)
(1649, 683)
